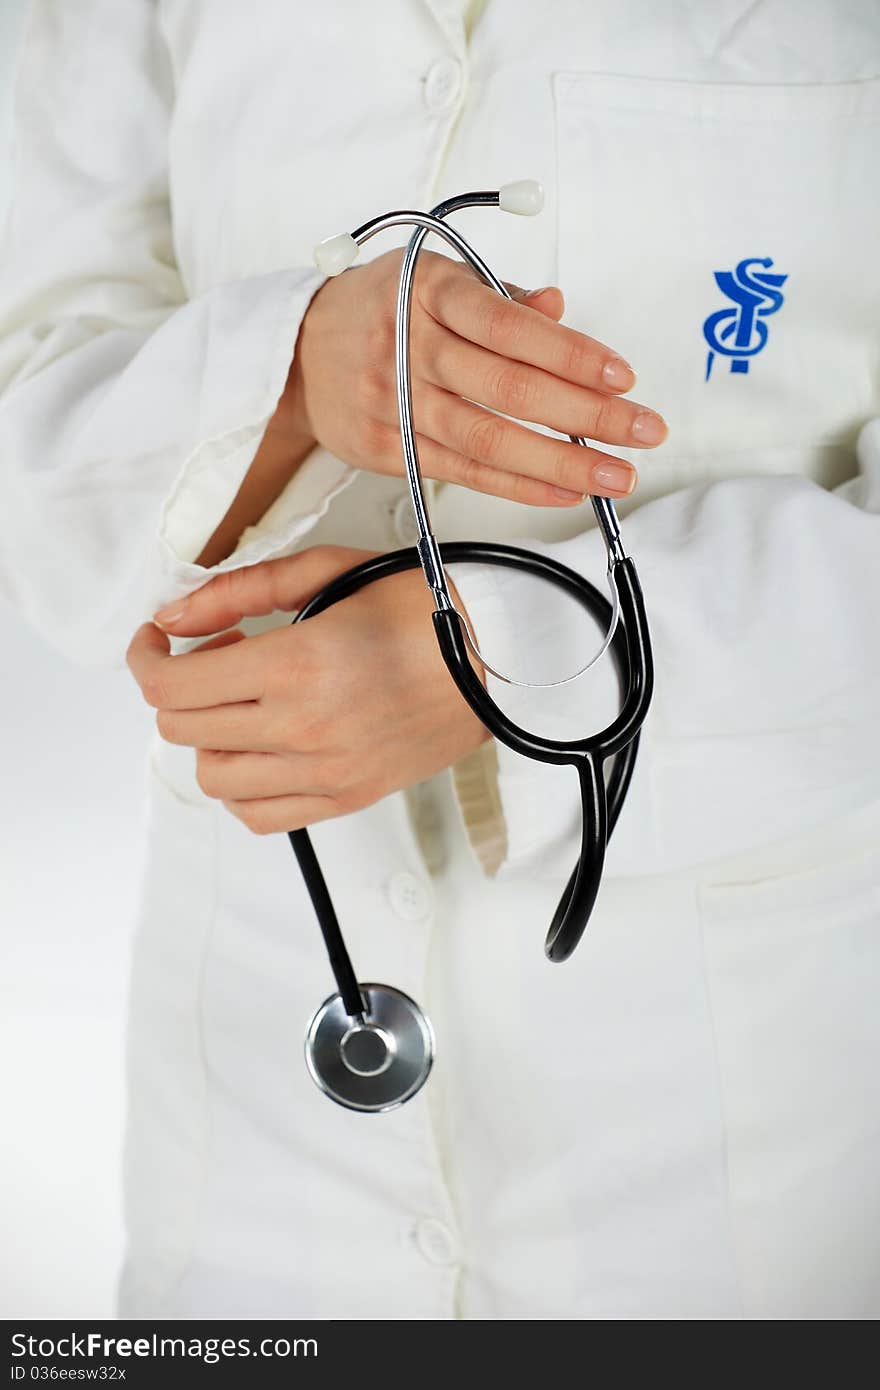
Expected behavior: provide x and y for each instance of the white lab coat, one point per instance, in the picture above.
(681, 1121)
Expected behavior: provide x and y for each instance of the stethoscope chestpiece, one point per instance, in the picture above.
(373, 1062)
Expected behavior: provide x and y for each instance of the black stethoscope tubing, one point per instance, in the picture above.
(631, 653)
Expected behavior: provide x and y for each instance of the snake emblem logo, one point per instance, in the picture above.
(741, 331)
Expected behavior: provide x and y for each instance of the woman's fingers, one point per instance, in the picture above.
(548, 301)
(531, 393)
(279, 813)
(223, 639)
(477, 313)
(283, 584)
(236, 728)
(439, 461)
(195, 679)
(478, 437)
(231, 776)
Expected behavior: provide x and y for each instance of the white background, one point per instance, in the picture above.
(73, 746)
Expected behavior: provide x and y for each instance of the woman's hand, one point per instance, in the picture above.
(310, 721)
(470, 349)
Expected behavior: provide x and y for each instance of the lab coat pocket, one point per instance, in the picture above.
(166, 1134)
(722, 237)
(793, 965)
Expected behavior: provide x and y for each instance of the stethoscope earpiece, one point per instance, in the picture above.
(375, 1061)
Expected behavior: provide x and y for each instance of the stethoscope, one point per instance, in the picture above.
(369, 1046)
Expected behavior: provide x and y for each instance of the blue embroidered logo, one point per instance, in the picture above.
(740, 332)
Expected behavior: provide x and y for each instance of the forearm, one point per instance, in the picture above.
(285, 444)
(275, 463)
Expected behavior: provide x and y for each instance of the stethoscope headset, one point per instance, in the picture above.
(369, 1046)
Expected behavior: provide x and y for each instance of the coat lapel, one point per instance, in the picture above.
(448, 14)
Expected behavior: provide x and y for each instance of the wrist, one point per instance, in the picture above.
(290, 425)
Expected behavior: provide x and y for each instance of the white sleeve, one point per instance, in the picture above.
(761, 594)
(130, 412)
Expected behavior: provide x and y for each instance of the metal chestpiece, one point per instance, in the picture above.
(375, 1061)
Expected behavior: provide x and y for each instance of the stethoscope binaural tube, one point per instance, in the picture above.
(589, 755)
(370, 1047)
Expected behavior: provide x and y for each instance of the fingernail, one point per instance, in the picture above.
(618, 477)
(566, 496)
(618, 374)
(532, 294)
(649, 428)
(169, 615)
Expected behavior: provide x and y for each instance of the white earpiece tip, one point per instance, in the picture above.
(525, 197)
(336, 254)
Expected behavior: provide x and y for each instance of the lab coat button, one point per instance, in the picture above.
(405, 525)
(435, 1241)
(410, 897)
(443, 84)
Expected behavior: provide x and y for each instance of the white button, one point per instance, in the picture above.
(409, 896)
(406, 527)
(443, 84)
(435, 1241)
